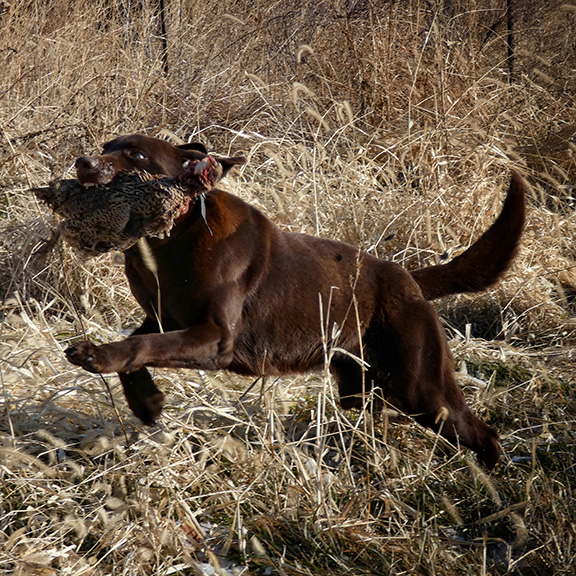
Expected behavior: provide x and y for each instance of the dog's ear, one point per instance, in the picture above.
(228, 163)
(194, 146)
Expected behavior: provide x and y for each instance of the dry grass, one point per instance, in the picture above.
(391, 125)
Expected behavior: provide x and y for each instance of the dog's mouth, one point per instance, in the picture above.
(206, 171)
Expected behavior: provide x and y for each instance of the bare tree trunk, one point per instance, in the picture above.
(510, 41)
(163, 35)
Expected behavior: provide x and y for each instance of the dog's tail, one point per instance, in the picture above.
(487, 259)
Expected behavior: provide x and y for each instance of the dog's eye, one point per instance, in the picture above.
(137, 155)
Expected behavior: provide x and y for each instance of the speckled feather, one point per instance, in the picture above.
(116, 215)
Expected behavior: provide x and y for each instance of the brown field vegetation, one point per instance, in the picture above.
(392, 125)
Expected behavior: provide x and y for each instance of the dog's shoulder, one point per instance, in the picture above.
(226, 213)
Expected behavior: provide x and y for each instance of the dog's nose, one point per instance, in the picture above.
(91, 170)
(86, 163)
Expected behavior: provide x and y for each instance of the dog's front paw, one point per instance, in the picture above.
(147, 408)
(86, 355)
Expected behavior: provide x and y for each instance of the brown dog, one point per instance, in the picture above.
(239, 293)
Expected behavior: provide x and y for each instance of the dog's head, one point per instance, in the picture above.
(152, 155)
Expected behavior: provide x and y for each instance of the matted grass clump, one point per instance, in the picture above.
(389, 125)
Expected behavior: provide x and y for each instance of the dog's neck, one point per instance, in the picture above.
(189, 203)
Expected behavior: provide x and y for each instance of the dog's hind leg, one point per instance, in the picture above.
(352, 384)
(408, 350)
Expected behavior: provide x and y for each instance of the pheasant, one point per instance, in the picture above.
(114, 216)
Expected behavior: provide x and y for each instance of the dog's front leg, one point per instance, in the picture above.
(145, 399)
(143, 396)
(202, 346)
(205, 346)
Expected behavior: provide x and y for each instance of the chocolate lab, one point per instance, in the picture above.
(239, 293)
